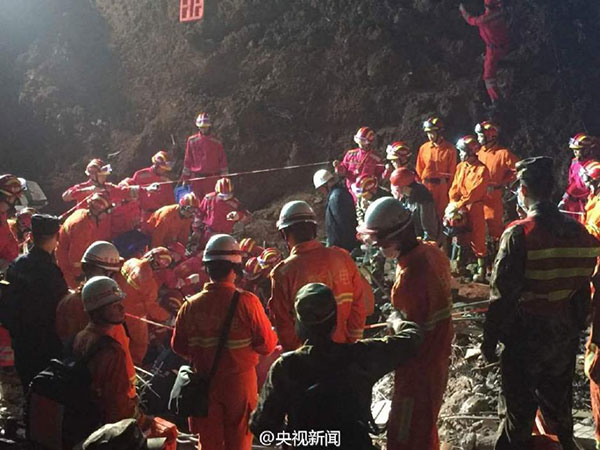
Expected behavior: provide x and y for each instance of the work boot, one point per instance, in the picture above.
(479, 276)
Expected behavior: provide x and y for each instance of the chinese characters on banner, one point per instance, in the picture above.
(190, 10)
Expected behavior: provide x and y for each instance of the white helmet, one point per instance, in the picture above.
(321, 177)
(100, 291)
(385, 218)
(104, 255)
(223, 247)
(296, 211)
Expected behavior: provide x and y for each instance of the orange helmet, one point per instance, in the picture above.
(162, 160)
(250, 247)
(10, 186)
(468, 144)
(224, 186)
(592, 171)
(160, 257)
(365, 185)
(488, 129)
(97, 166)
(397, 150)
(434, 123)
(98, 204)
(203, 120)
(270, 257)
(24, 218)
(402, 177)
(172, 300)
(581, 141)
(189, 201)
(364, 135)
(252, 269)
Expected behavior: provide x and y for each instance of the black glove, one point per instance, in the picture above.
(488, 348)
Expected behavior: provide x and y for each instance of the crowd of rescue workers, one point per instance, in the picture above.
(151, 260)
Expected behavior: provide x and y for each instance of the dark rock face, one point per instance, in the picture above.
(285, 81)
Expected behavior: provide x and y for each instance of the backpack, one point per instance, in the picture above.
(60, 409)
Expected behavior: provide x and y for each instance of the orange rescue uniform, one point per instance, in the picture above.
(468, 191)
(138, 283)
(233, 391)
(110, 369)
(500, 163)
(166, 226)
(76, 234)
(311, 262)
(436, 165)
(422, 292)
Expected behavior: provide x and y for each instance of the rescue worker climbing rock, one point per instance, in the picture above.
(233, 390)
(204, 157)
(310, 261)
(325, 385)
(500, 163)
(468, 192)
(81, 229)
(340, 214)
(494, 33)
(422, 292)
(172, 223)
(436, 163)
(575, 196)
(361, 161)
(540, 294)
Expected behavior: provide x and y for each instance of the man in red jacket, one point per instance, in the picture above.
(204, 157)
(494, 32)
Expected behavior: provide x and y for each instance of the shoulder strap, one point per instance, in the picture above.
(224, 334)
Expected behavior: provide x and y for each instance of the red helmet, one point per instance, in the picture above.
(162, 160)
(160, 257)
(364, 135)
(252, 269)
(23, 217)
(189, 201)
(98, 204)
(97, 166)
(203, 120)
(250, 247)
(592, 170)
(434, 123)
(366, 184)
(468, 144)
(581, 141)
(488, 129)
(224, 186)
(10, 186)
(270, 257)
(402, 177)
(397, 150)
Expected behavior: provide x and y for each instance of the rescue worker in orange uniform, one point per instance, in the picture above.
(138, 282)
(257, 270)
(493, 30)
(540, 296)
(575, 196)
(591, 178)
(156, 194)
(82, 228)
(436, 163)
(20, 227)
(111, 383)
(173, 223)
(361, 161)
(468, 192)
(422, 293)
(233, 390)
(220, 210)
(10, 190)
(500, 163)
(250, 248)
(398, 154)
(204, 157)
(310, 261)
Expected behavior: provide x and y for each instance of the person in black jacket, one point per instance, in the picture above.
(29, 309)
(340, 213)
(325, 386)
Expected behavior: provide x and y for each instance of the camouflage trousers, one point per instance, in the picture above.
(537, 366)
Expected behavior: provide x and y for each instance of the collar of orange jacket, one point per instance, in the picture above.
(305, 247)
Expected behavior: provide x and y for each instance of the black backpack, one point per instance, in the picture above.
(60, 410)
